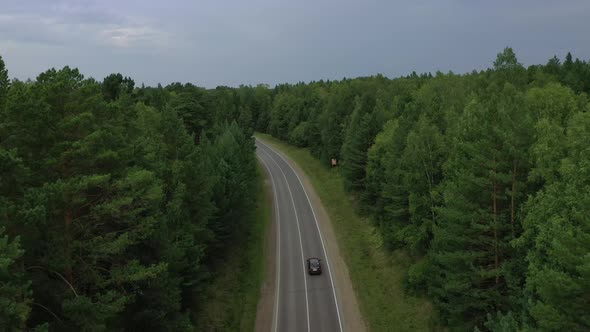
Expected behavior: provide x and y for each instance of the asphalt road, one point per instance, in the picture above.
(302, 302)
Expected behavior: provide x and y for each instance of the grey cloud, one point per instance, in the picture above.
(232, 42)
(79, 26)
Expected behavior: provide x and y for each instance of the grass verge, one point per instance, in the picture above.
(377, 275)
(232, 297)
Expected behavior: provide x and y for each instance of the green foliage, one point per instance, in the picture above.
(418, 276)
(552, 106)
(245, 121)
(4, 84)
(331, 121)
(508, 69)
(122, 196)
(300, 135)
(233, 156)
(378, 153)
(422, 160)
(15, 292)
(444, 165)
(359, 136)
(385, 183)
(260, 108)
(240, 273)
(504, 323)
(285, 115)
(117, 204)
(557, 231)
(115, 84)
(477, 221)
(191, 105)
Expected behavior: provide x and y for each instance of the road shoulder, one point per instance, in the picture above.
(265, 310)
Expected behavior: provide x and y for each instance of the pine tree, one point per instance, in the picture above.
(375, 175)
(190, 105)
(15, 292)
(422, 160)
(467, 231)
(232, 157)
(245, 121)
(88, 209)
(284, 109)
(262, 105)
(358, 138)
(4, 84)
(385, 182)
(114, 85)
(331, 122)
(508, 69)
(470, 251)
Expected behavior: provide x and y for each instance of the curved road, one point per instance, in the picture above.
(302, 302)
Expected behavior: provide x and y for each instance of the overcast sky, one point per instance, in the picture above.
(225, 42)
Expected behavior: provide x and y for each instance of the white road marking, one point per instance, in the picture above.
(275, 322)
(300, 241)
(317, 225)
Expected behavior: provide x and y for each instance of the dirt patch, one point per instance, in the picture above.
(265, 310)
(350, 313)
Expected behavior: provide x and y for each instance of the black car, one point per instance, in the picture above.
(314, 266)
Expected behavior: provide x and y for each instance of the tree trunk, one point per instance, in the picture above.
(68, 218)
(513, 193)
(67, 222)
(495, 215)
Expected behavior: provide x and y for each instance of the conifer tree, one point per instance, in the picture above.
(422, 160)
(471, 240)
(4, 84)
(15, 292)
(375, 176)
(357, 140)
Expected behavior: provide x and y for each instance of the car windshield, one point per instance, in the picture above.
(314, 262)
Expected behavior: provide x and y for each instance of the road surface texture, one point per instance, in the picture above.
(302, 302)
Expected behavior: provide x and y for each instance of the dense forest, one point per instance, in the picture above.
(115, 201)
(483, 178)
(114, 198)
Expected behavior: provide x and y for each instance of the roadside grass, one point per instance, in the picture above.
(377, 275)
(232, 297)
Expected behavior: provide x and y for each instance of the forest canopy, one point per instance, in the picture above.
(481, 177)
(114, 197)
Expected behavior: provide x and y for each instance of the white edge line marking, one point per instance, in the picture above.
(318, 227)
(300, 241)
(278, 259)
